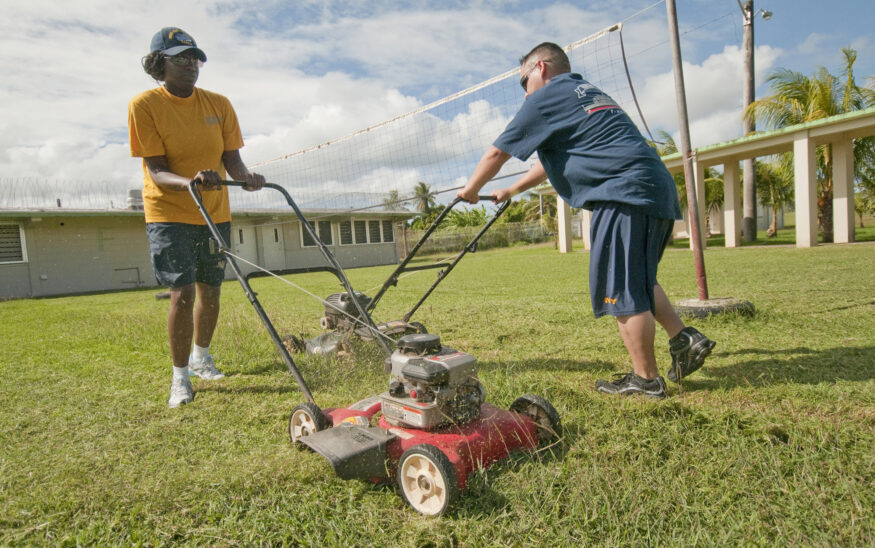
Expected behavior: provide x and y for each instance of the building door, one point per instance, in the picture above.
(244, 245)
(274, 249)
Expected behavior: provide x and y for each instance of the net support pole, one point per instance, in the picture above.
(689, 174)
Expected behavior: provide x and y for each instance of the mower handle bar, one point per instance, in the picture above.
(402, 267)
(480, 197)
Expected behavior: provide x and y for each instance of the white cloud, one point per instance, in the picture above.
(714, 95)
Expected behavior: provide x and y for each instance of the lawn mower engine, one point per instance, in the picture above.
(432, 385)
(341, 311)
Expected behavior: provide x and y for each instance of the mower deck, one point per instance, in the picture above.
(357, 451)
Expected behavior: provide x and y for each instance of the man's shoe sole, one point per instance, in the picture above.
(205, 377)
(703, 350)
(633, 393)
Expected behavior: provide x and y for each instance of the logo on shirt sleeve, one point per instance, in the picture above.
(582, 89)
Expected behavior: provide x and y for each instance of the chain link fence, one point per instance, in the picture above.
(454, 239)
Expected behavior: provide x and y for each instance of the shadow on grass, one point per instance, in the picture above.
(789, 366)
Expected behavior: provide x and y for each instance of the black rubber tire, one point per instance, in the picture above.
(419, 327)
(427, 480)
(543, 413)
(306, 418)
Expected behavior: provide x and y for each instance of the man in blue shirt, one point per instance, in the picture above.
(595, 158)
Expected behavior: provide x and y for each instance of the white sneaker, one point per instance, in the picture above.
(204, 368)
(181, 392)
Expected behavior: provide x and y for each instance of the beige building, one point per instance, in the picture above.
(47, 252)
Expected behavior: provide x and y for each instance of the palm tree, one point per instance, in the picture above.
(713, 196)
(775, 187)
(536, 206)
(713, 182)
(798, 99)
(393, 201)
(425, 198)
(864, 198)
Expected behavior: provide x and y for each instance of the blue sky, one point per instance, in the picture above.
(300, 73)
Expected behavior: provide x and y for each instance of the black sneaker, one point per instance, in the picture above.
(628, 384)
(688, 349)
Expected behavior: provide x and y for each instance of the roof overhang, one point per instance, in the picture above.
(852, 125)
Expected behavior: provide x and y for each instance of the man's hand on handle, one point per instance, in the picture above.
(502, 195)
(468, 194)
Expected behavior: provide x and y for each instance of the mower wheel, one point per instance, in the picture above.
(419, 327)
(427, 479)
(326, 323)
(306, 419)
(541, 411)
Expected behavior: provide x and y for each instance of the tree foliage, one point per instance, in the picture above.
(713, 181)
(424, 197)
(393, 201)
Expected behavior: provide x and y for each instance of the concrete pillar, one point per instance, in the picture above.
(699, 187)
(585, 227)
(563, 222)
(805, 176)
(731, 204)
(843, 191)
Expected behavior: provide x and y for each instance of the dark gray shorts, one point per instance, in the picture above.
(626, 248)
(183, 254)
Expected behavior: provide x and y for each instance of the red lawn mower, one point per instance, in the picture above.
(430, 430)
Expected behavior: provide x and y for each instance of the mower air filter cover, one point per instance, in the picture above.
(426, 371)
(420, 344)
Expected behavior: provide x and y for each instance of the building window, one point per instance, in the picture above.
(374, 232)
(366, 232)
(346, 233)
(322, 228)
(388, 233)
(361, 232)
(325, 232)
(12, 248)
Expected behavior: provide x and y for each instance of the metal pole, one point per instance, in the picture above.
(749, 196)
(689, 175)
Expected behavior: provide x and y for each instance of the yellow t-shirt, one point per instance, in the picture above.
(192, 133)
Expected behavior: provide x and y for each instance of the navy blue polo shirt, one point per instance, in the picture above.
(591, 150)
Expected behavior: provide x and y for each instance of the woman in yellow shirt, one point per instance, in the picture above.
(183, 133)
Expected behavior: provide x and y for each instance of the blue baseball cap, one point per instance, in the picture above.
(173, 41)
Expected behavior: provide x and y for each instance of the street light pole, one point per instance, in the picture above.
(749, 221)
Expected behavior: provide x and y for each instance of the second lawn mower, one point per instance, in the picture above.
(342, 313)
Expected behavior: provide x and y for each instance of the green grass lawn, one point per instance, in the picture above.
(785, 236)
(771, 443)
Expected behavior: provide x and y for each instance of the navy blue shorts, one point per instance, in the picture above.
(626, 248)
(183, 254)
